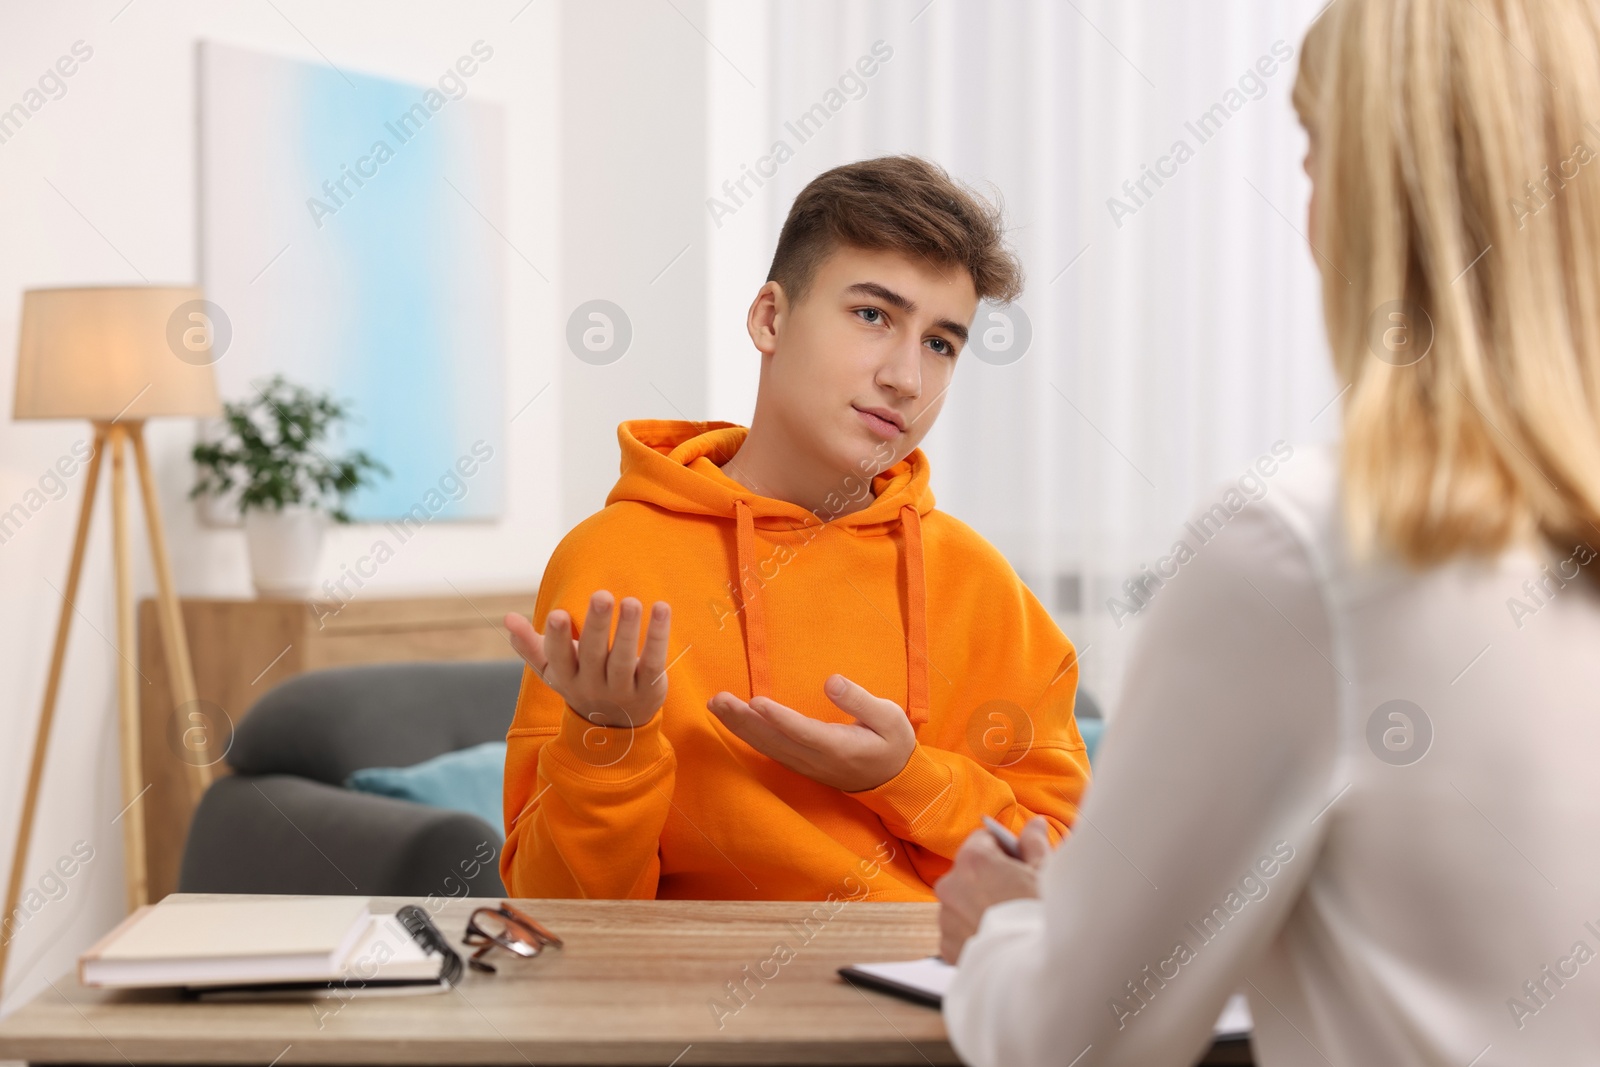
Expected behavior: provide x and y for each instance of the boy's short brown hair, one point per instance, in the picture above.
(902, 204)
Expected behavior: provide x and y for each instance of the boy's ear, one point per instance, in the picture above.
(767, 314)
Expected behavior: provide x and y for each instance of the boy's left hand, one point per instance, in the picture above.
(852, 757)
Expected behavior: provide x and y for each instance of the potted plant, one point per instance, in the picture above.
(271, 458)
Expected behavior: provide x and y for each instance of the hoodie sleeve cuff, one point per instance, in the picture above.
(609, 754)
(914, 797)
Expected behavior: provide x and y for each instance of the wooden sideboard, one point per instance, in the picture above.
(242, 648)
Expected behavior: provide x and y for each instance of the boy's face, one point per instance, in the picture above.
(855, 373)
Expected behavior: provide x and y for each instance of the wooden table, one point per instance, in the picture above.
(638, 982)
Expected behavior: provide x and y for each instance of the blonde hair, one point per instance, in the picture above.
(1432, 124)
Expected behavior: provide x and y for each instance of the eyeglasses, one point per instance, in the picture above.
(509, 928)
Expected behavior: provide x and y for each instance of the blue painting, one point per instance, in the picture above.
(350, 230)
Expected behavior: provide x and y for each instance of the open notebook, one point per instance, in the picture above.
(927, 980)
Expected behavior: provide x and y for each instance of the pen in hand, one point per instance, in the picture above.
(1007, 840)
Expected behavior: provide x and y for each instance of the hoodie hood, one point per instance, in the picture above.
(676, 465)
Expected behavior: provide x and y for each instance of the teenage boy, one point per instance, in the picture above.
(846, 680)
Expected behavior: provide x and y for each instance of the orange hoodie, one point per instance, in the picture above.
(768, 599)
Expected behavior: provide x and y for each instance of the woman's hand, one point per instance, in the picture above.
(984, 875)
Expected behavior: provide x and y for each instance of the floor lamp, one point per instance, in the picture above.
(114, 356)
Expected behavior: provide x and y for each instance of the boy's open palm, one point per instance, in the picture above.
(847, 756)
(608, 684)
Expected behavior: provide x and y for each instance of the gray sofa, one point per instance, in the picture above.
(283, 823)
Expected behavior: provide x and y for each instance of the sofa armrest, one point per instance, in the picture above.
(285, 834)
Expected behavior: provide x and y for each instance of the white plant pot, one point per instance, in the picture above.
(285, 549)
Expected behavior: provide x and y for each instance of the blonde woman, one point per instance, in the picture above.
(1356, 774)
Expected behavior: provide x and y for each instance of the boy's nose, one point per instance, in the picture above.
(902, 371)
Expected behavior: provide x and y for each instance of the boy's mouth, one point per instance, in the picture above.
(884, 423)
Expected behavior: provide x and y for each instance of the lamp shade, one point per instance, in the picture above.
(130, 351)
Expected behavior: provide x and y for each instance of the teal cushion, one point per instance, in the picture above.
(470, 780)
(1091, 729)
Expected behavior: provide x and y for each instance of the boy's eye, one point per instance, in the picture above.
(943, 347)
(876, 316)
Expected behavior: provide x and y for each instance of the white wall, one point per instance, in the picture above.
(98, 188)
(633, 155)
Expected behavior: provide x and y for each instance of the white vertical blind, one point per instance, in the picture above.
(1168, 353)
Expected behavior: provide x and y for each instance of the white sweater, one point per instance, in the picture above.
(1365, 796)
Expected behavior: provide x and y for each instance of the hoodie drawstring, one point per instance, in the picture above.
(752, 605)
(747, 582)
(917, 623)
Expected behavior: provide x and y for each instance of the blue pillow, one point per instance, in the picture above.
(1091, 729)
(470, 780)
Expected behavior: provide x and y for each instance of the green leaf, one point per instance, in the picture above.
(274, 446)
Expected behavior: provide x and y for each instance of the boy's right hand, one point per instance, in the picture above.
(615, 686)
